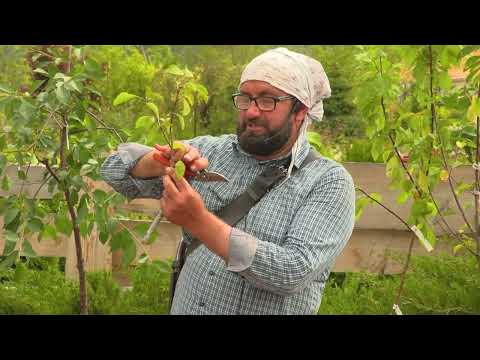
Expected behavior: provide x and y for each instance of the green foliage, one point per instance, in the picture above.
(411, 107)
(40, 288)
(433, 286)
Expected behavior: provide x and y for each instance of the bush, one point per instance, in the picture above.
(26, 289)
(150, 292)
(434, 285)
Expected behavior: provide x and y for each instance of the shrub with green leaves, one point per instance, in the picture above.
(434, 285)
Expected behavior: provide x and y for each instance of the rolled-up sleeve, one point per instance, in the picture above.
(116, 172)
(317, 235)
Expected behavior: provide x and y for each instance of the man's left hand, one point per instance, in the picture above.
(181, 204)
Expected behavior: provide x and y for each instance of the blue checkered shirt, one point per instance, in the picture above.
(280, 253)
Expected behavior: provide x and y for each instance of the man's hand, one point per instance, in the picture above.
(147, 166)
(181, 204)
(191, 158)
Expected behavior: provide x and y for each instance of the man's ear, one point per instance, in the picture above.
(300, 114)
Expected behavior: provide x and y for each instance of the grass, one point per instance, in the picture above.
(434, 285)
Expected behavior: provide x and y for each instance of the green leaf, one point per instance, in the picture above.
(3, 205)
(103, 237)
(420, 208)
(472, 62)
(41, 71)
(392, 165)
(87, 169)
(93, 70)
(62, 76)
(462, 188)
(188, 73)
(75, 86)
(468, 50)
(474, 109)
(380, 122)
(27, 110)
(154, 109)
(123, 98)
(202, 92)
(129, 250)
(457, 248)
(444, 80)
(178, 145)
(64, 225)
(181, 120)
(62, 95)
(49, 231)
(99, 197)
(145, 122)
(403, 197)
(21, 175)
(28, 250)
(10, 215)
(185, 108)
(20, 272)
(118, 239)
(174, 70)
(35, 225)
(10, 236)
(11, 241)
(359, 205)
(83, 209)
(89, 123)
(423, 181)
(377, 148)
(3, 162)
(179, 169)
(7, 263)
(162, 266)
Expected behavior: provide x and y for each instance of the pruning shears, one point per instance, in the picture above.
(202, 175)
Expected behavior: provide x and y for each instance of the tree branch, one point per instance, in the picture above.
(96, 118)
(404, 272)
(390, 211)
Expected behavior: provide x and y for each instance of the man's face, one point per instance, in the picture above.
(265, 132)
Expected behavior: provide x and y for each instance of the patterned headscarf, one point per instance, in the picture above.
(296, 74)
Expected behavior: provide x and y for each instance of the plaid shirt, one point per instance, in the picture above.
(280, 253)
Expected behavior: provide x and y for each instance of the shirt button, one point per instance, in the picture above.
(211, 273)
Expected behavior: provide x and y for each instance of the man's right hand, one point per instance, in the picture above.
(148, 167)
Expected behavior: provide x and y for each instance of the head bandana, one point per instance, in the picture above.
(297, 75)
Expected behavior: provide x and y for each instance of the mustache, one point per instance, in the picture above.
(256, 122)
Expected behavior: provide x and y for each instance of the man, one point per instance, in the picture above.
(277, 258)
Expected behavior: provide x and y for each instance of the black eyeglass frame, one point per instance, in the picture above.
(275, 99)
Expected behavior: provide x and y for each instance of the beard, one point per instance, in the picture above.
(263, 144)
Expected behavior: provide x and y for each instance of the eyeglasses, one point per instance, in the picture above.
(264, 103)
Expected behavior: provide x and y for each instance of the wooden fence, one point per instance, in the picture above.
(375, 236)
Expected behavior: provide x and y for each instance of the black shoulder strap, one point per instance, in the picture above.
(263, 183)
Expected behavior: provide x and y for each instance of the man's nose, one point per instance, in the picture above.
(253, 111)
